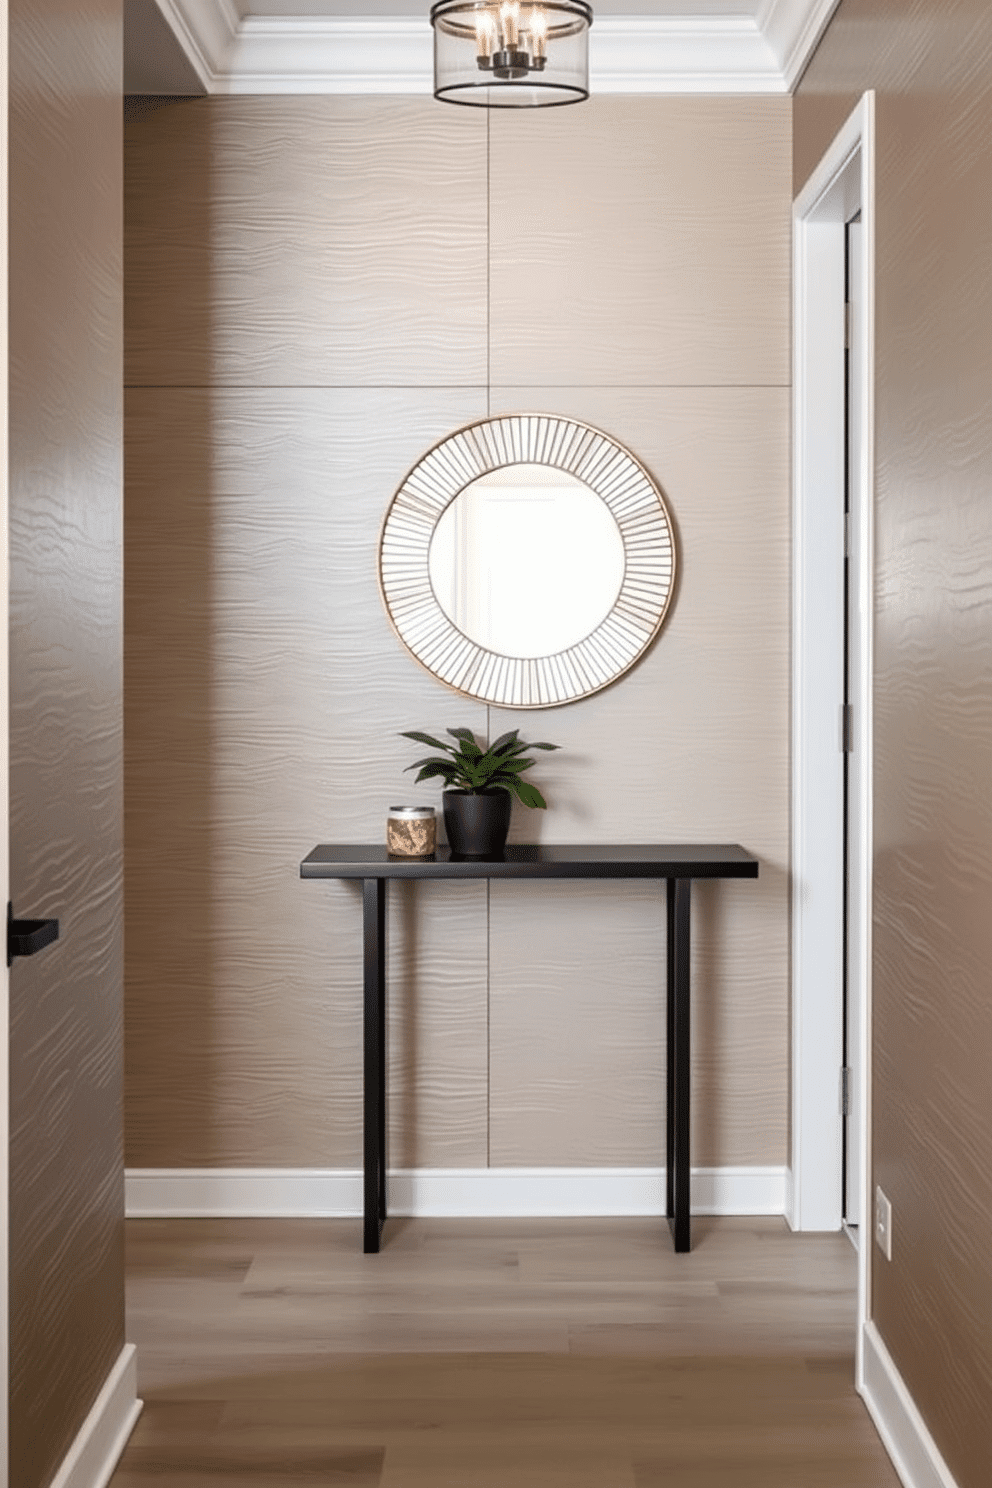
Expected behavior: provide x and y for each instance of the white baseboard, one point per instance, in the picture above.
(101, 1439)
(914, 1452)
(162, 1193)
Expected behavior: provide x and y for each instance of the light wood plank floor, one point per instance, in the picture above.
(495, 1354)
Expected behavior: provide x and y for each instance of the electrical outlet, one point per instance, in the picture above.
(883, 1224)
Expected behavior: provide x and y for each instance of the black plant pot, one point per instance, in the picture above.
(477, 823)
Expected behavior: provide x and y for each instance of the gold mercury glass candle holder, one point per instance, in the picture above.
(411, 832)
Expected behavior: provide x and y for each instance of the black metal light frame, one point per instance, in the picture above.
(511, 53)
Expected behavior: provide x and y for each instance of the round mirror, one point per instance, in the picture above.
(527, 561)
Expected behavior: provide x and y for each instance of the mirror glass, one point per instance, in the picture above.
(527, 560)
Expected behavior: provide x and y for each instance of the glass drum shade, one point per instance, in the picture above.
(511, 53)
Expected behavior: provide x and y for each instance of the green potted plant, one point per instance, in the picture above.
(480, 787)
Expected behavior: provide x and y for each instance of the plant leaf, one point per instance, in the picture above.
(469, 768)
(438, 768)
(426, 739)
(504, 741)
(530, 795)
(485, 763)
(493, 757)
(513, 786)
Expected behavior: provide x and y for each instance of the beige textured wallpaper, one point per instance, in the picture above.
(66, 1325)
(317, 290)
(931, 64)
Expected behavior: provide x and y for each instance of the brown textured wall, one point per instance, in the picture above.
(317, 289)
(931, 64)
(66, 1183)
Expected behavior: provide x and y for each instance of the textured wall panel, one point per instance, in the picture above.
(932, 67)
(437, 1085)
(690, 746)
(265, 689)
(578, 1024)
(66, 1182)
(287, 242)
(265, 696)
(641, 240)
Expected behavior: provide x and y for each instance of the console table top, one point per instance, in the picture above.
(538, 860)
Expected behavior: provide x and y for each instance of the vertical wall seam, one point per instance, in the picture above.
(489, 731)
(489, 1082)
(489, 268)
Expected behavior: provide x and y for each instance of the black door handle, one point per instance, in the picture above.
(27, 937)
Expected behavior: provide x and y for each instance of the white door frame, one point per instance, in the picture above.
(842, 184)
(4, 761)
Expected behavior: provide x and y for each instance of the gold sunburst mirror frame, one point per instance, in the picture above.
(528, 448)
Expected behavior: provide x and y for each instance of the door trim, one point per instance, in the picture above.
(4, 762)
(842, 184)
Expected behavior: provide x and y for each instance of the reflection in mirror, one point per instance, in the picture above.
(527, 560)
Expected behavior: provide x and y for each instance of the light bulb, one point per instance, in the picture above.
(539, 32)
(485, 34)
(509, 17)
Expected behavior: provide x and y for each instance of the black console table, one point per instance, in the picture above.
(678, 865)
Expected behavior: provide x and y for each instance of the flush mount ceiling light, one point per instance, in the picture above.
(511, 53)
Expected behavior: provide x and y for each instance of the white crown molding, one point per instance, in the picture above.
(183, 1193)
(206, 30)
(764, 53)
(331, 54)
(792, 29)
(679, 54)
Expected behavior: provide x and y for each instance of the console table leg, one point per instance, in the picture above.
(670, 1056)
(677, 1146)
(374, 937)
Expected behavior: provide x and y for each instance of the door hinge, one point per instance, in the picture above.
(846, 728)
(847, 326)
(845, 1090)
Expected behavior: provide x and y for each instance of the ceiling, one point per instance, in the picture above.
(384, 46)
(418, 8)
